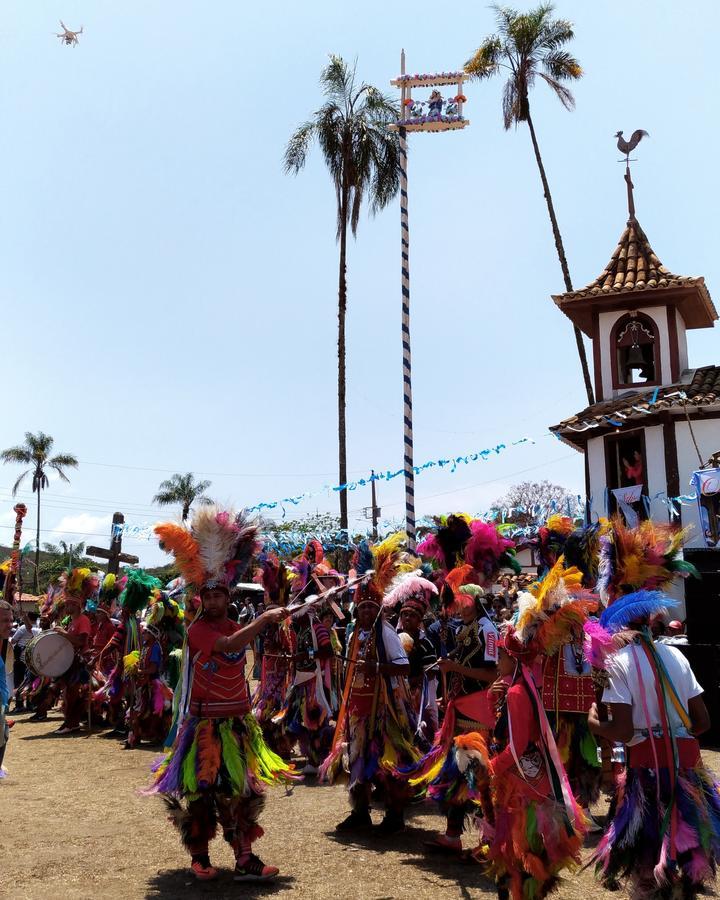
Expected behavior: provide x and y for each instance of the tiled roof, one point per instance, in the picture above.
(633, 266)
(699, 387)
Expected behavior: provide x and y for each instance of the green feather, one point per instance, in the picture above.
(232, 758)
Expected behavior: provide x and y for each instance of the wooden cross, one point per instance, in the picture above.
(114, 555)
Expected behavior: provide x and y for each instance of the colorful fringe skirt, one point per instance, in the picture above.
(531, 842)
(579, 755)
(438, 769)
(226, 756)
(371, 747)
(653, 848)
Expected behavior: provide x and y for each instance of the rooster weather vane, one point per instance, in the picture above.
(67, 37)
(627, 148)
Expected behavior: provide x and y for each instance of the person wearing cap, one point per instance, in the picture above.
(218, 766)
(674, 634)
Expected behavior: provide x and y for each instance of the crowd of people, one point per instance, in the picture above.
(512, 701)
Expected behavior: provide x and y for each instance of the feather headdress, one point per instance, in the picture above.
(411, 591)
(640, 606)
(582, 549)
(275, 579)
(79, 583)
(215, 551)
(446, 545)
(389, 560)
(551, 539)
(647, 557)
(138, 590)
(551, 614)
(488, 551)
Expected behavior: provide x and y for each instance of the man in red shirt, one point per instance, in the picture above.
(219, 762)
(75, 680)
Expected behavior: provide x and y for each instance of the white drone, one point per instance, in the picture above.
(67, 37)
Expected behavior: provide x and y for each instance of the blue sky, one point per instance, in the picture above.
(169, 295)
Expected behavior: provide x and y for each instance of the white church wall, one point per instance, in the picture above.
(596, 463)
(682, 340)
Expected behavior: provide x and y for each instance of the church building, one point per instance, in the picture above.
(656, 419)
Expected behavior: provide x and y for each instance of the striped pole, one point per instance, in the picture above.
(407, 360)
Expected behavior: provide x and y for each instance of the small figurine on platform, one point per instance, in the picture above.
(435, 103)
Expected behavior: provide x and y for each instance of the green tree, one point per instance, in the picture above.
(530, 46)
(68, 553)
(36, 453)
(363, 160)
(528, 501)
(182, 489)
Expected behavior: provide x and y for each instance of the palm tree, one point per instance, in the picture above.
(363, 159)
(67, 552)
(528, 46)
(182, 489)
(35, 452)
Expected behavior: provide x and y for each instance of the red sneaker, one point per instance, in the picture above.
(252, 868)
(10, 723)
(203, 872)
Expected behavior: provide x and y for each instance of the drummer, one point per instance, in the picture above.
(78, 585)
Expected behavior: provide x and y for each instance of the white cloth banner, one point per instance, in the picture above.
(628, 500)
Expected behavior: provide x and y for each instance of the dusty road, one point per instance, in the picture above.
(73, 826)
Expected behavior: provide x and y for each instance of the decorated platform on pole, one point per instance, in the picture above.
(437, 113)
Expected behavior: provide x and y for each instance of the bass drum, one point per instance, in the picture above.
(49, 654)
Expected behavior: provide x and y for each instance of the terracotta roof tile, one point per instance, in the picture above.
(701, 388)
(633, 266)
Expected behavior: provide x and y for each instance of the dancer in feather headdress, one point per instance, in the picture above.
(276, 672)
(532, 829)
(467, 671)
(375, 725)
(412, 595)
(149, 715)
(219, 762)
(308, 708)
(664, 839)
(569, 690)
(78, 585)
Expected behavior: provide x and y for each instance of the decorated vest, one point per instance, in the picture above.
(567, 683)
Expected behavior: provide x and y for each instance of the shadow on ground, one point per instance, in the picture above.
(172, 883)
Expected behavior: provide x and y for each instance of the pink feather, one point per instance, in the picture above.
(410, 587)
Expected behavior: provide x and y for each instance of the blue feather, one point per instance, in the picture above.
(631, 607)
(365, 560)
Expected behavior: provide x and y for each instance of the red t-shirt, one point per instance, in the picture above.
(219, 688)
(81, 625)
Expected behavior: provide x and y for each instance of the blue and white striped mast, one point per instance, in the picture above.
(433, 122)
(408, 457)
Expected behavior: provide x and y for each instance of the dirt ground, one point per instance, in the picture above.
(73, 826)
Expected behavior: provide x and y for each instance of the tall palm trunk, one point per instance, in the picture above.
(561, 256)
(36, 581)
(342, 309)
